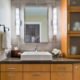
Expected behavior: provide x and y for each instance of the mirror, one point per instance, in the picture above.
(35, 24)
(34, 20)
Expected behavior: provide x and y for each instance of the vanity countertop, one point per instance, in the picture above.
(55, 60)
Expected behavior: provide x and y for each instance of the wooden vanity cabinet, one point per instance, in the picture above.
(36, 72)
(40, 71)
(11, 71)
(61, 72)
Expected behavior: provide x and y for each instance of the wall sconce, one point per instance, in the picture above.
(3, 28)
(17, 21)
(55, 21)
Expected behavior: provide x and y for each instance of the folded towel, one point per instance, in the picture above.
(1, 41)
(4, 40)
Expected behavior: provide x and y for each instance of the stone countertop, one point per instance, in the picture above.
(55, 60)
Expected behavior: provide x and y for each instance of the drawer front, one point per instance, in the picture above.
(36, 76)
(61, 75)
(61, 67)
(11, 76)
(11, 67)
(36, 67)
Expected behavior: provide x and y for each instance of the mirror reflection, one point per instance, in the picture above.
(35, 24)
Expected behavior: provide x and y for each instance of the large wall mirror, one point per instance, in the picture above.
(34, 20)
(35, 24)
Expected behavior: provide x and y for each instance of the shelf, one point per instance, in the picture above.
(74, 9)
(73, 56)
(74, 3)
(74, 32)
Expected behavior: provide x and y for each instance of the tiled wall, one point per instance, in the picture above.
(47, 46)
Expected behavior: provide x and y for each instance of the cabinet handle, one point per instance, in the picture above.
(62, 68)
(36, 74)
(69, 2)
(68, 27)
(11, 68)
(76, 67)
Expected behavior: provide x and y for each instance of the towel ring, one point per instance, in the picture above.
(5, 28)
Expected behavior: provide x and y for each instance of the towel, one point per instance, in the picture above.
(6, 43)
(1, 41)
(4, 40)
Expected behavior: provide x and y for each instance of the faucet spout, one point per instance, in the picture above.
(36, 48)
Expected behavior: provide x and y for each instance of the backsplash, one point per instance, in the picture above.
(40, 46)
(31, 46)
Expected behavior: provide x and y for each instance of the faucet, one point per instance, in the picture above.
(36, 47)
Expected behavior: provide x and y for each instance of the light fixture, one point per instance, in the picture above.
(17, 21)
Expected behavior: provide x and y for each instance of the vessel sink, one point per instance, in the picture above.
(35, 55)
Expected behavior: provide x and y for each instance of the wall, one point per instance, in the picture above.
(5, 18)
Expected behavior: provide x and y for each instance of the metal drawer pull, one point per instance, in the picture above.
(36, 74)
(62, 68)
(11, 68)
(76, 67)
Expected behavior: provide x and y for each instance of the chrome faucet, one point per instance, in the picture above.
(36, 48)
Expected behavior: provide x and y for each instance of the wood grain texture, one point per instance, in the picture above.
(36, 76)
(61, 67)
(11, 67)
(61, 76)
(63, 26)
(76, 71)
(36, 67)
(11, 76)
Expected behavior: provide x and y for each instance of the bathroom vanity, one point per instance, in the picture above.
(57, 69)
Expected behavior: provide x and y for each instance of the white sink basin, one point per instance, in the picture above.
(36, 56)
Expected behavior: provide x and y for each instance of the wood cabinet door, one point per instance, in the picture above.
(76, 71)
(36, 76)
(11, 75)
(61, 76)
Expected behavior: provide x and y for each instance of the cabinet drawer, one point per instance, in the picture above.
(36, 76)
(11, 75)
(61, 67)
(11, 67)
(61, 75)
(36, 67)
